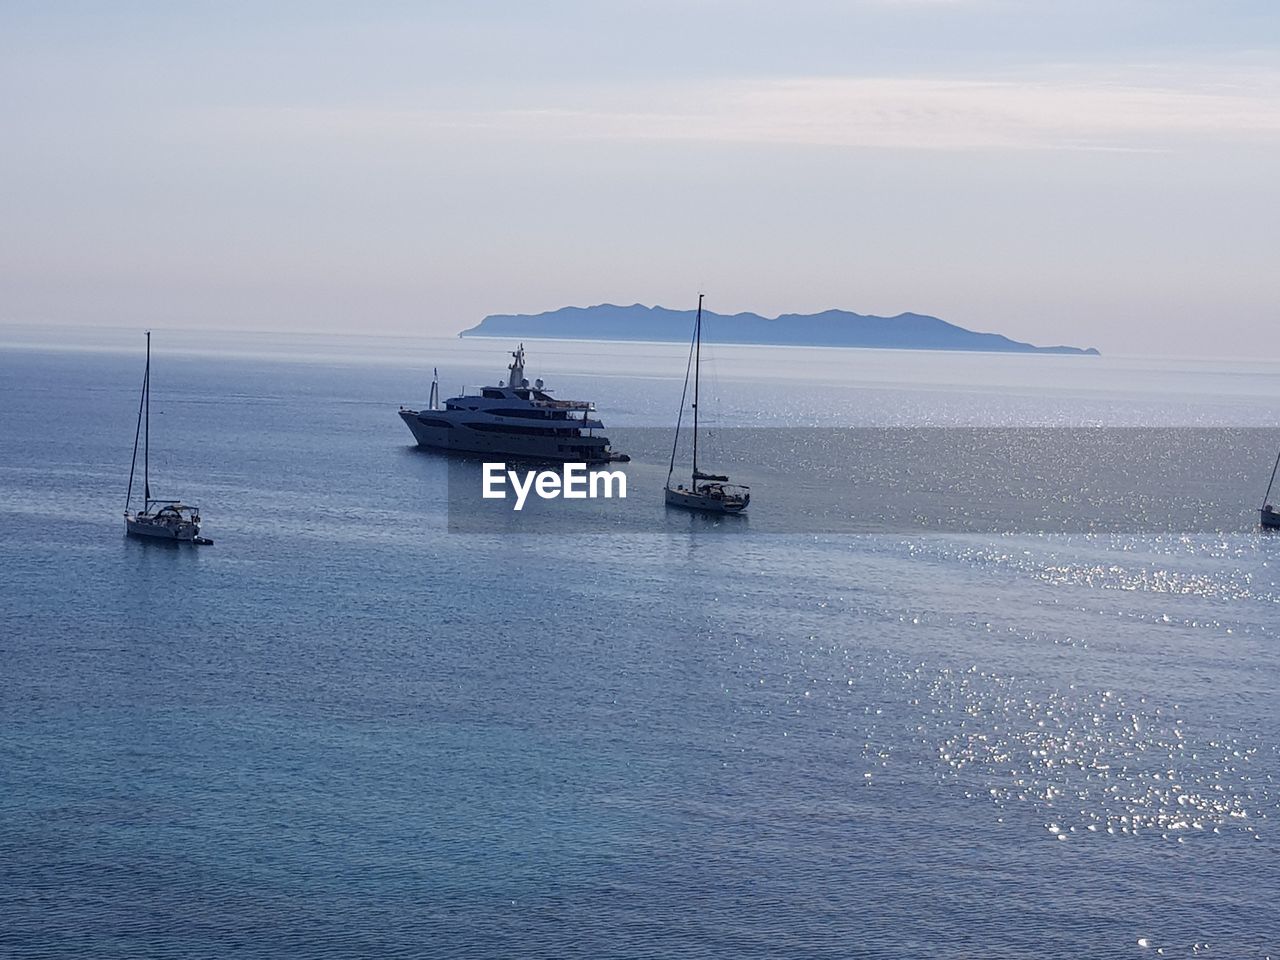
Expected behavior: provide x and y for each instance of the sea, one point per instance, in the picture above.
(355, 726)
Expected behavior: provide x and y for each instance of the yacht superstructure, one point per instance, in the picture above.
(513, 419)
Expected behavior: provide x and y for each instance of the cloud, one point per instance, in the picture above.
(1143, 109)
(935, 114)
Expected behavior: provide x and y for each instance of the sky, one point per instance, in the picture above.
(1082, 172)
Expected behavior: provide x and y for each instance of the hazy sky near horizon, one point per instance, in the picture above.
(1094, 173)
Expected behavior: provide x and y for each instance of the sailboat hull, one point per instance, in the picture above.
(1269, 518)
(707, 503)
(151, 529)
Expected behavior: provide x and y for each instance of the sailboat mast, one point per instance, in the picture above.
(684, 392)
(1267, 496)
(146, 437)
(137, 436)
(697, 369)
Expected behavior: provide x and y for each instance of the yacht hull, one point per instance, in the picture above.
(174, 533)
(1269, 518)
(689, 500)
(437, 430)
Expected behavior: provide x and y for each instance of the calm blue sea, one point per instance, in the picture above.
(343, 731)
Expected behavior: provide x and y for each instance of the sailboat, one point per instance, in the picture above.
(708, 492)
(1268, 516)
(169, 520)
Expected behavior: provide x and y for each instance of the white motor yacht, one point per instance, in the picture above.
(513, 419)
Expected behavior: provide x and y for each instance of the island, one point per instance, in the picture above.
(831, 328)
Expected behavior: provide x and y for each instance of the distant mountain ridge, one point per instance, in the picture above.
(831, 328)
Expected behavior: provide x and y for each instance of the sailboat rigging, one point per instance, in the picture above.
(158, 519)
(709, 492)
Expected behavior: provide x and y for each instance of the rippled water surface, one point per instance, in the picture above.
(343, 731)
